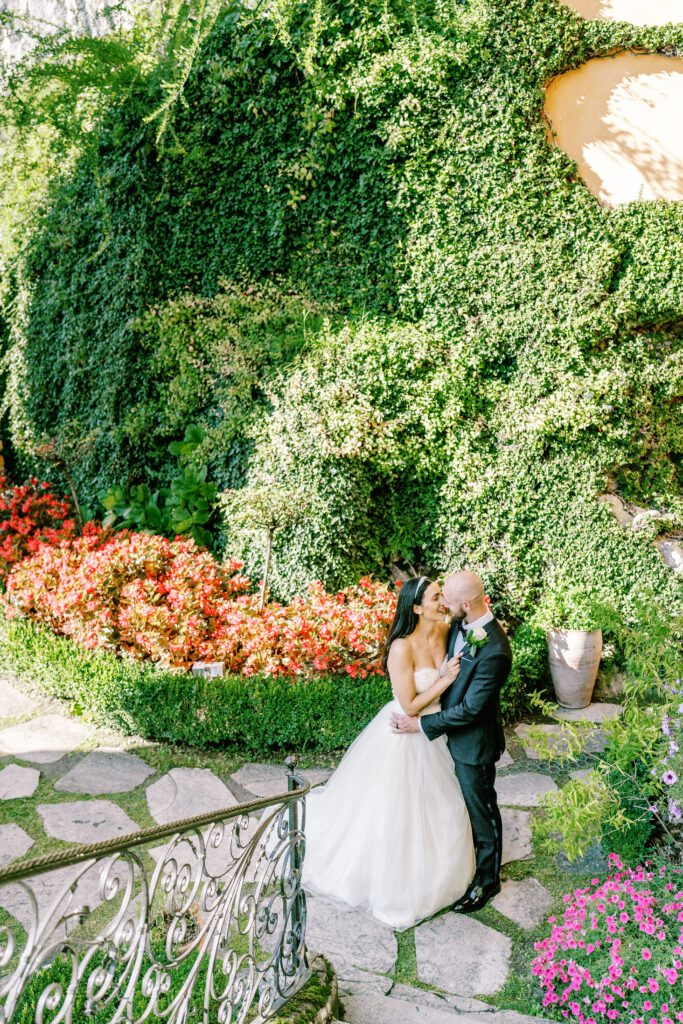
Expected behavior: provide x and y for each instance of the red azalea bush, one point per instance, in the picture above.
(617, 955)
(173, 603)
(30, 515)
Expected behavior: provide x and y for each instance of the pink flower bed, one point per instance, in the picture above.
(617, 953)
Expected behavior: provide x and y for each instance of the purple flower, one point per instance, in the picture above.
(668, 778)
(674, 810)
(673, 747)
(665, 726)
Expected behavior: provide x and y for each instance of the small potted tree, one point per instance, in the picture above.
(570, 617)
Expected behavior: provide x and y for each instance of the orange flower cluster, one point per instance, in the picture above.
(171, 602)
(30, 515)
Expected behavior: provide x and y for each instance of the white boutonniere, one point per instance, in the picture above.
(476, 638)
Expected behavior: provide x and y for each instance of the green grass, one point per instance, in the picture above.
(405, 971)
(304, 1006)
(301, 1009)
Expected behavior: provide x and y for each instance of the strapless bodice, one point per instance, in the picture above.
(424, 678)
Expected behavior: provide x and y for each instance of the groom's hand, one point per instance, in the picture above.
(403, 723)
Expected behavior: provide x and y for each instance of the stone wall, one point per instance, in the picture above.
(84, 16)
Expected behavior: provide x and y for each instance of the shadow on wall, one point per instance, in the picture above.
(638, 12)
(618, 117)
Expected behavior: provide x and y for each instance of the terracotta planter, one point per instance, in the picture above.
(574, 656)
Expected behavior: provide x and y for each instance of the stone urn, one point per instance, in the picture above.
(574, 656)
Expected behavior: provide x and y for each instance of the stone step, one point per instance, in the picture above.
(481, 964)
(594, 714)
(371, 1008)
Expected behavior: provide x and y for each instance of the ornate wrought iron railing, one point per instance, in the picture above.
(209, 927)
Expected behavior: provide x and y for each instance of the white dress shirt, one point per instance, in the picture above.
(460, 642)
(487, 617)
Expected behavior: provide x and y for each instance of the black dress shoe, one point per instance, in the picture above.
(476, 898)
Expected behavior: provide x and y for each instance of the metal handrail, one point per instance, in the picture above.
(220, 920)
(76, 854)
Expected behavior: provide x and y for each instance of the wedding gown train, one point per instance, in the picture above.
(389, 831)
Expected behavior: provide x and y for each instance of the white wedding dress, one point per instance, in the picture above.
(390, 831)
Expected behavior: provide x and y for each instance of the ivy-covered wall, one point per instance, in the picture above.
(359, 264)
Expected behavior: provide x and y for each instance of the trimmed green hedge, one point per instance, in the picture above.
(257, 714)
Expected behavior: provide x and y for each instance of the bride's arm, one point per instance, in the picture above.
(402, 676)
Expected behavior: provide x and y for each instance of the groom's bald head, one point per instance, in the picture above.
(463, 593)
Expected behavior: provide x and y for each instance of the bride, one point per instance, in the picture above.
(390, 831)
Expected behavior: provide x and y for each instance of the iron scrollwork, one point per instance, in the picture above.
(209, 927)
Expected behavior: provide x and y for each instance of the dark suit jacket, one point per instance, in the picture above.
(470, 708)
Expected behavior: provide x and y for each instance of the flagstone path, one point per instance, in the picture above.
(63, 778)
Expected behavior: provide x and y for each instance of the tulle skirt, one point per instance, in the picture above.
(390, 832)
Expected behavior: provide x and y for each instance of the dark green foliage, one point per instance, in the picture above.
(182, 509)
(530, 672)
(497, 349)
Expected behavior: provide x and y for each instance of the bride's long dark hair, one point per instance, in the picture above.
(405, 619)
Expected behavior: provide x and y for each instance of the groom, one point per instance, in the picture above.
(470, 718)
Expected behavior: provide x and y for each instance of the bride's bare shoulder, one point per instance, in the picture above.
(401, 651)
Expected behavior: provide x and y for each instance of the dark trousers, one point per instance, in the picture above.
(477, 782)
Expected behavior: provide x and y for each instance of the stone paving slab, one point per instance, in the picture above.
(581, 774)
(594, 713)
(517, 844)
(505, 760)
(461, 955)
(186, 792)
(351, 939)
(269, 779)
(511, 1017)
(105, 771)
(86, 821)
(14, 703)
(593, 862)
(353, 981)
(524, 789)
(374, 1008)
(52, 892)
(45, 739)
(216, 859)
(596, 742)
(557, 742)
(17, 782)
(527, 903)
(421, 996)
(370, 1008)
(14, 843)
